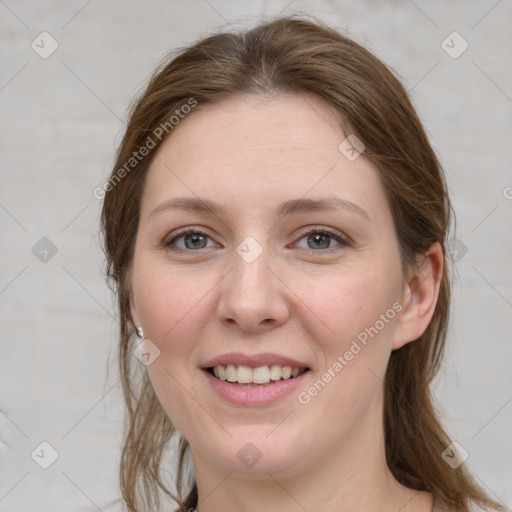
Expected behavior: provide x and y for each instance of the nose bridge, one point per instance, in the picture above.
(251, 275)
(251, 296)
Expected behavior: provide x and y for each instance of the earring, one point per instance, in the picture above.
(140, 333)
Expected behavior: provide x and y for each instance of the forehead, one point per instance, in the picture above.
(258, 126)
(254, 151)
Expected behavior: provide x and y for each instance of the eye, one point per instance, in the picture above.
(318, 239)
(322, 239)
(191, 239)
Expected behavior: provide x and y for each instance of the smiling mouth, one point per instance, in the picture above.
(245, 376)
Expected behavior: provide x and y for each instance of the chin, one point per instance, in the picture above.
(253, 453)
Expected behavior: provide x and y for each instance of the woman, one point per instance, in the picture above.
(275, 230)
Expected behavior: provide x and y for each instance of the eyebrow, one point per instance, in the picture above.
(291, 207)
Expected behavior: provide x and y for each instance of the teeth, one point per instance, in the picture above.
(260, 375)
(275, 372)
(231, 373)
(244, 375)
(286, 372)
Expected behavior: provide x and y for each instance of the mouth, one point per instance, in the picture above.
(260, 376)
(255, 380)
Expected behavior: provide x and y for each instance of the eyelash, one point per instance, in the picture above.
(344, 242)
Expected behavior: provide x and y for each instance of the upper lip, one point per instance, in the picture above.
(253, 361)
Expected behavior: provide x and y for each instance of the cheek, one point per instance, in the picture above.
(361, 312)
(358, 309)
(171, 305)
(350, 305)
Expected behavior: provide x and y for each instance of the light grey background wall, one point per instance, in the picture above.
(62, 115)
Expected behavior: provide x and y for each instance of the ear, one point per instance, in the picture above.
(421, 291)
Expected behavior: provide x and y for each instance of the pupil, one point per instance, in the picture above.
(317, 238)
(195, 241)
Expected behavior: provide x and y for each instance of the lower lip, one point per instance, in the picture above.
(255, 395)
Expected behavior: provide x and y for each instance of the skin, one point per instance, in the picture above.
(297, 298)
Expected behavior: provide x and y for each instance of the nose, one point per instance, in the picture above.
(253, 297)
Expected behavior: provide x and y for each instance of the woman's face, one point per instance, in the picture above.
(297, 266)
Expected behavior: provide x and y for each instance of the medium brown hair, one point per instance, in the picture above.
(292, 55)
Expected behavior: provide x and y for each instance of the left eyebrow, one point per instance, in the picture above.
(291, 207)
(302, 205)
